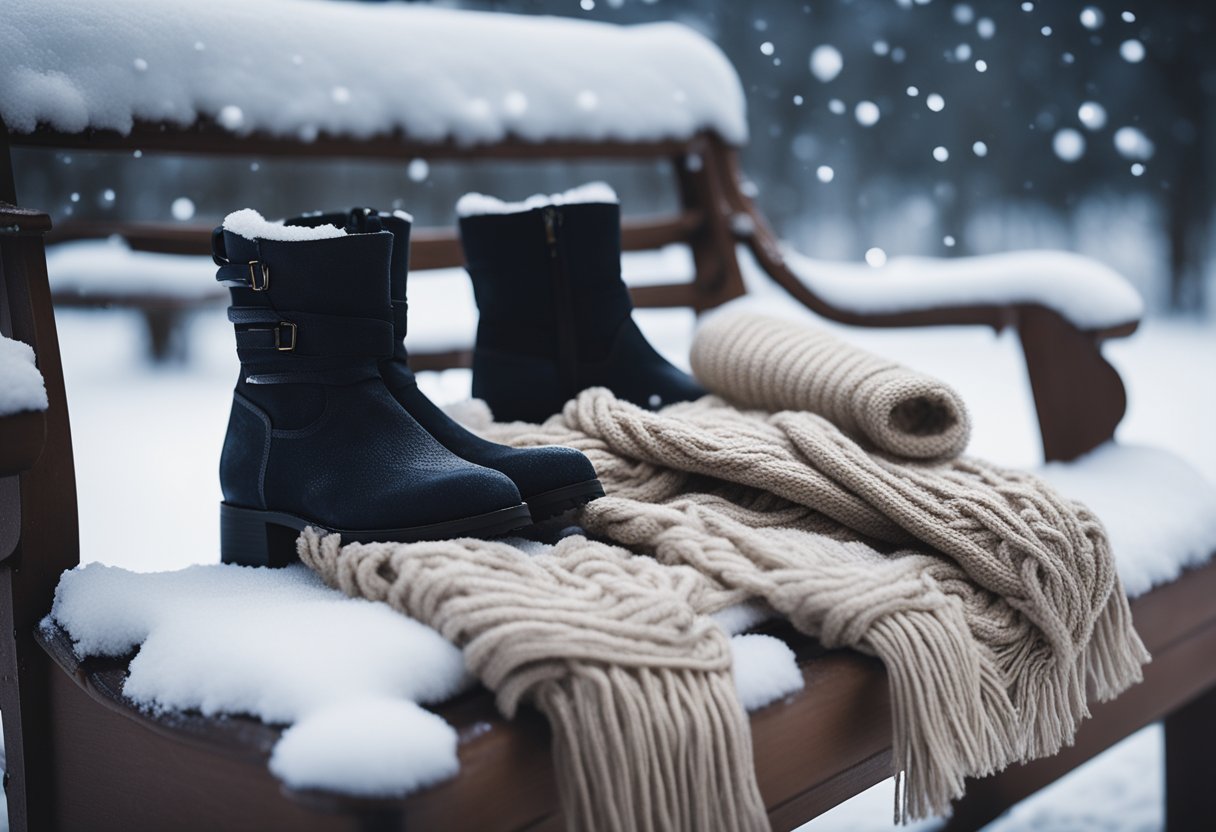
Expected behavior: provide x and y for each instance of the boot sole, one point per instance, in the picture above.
(252, 537)
(552, 503)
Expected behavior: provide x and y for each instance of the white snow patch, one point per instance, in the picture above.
(251, 225)
(374, 747)
(110, 267)
(271, 66)
(403, 215)
(738, 618)
(474, 204)
(1088, 293)
(765, 670)
(1159, 512)
(21, 385)
(276, 644)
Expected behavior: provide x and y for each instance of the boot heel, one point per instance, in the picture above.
(249, 537)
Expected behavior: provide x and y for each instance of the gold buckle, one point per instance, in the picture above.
(278, 337)
(253, 276)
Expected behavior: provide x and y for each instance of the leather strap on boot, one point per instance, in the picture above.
(285, 345)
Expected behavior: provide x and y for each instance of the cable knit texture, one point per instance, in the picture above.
(992, 601)
(766, 363)
(637, 687)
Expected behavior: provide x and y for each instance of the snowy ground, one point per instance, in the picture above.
(147, 442)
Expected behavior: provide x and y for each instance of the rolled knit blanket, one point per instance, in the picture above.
(759, 362)
(637, 687)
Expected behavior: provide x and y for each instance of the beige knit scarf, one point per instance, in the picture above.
(991, 599)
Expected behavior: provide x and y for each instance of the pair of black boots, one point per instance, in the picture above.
(328, 425)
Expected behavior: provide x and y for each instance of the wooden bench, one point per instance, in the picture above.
(80, 756)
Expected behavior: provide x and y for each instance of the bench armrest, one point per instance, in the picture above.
(1063, 307)
(1079, 397)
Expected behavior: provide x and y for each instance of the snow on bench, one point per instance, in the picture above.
(111, 269)
(278, 645)
(296, 68)
(21, 385)
(1086, 292)
(282, 647)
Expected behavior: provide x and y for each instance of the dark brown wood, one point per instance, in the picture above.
(1078, 395)
(22, 436)
(1190, 764)
(506, 780)
(8, 186)
(813, 750)
(430, 248)
(48, 530)
(718, 278)
(111, 773)
(1178, 625)
(206, 137)
(420, 361)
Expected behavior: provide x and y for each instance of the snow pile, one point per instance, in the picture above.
(367, 747)
(21, 385)
(475, 204)
(280, 646)
(251, 225)
(1089, 294)
(1160, 512)
(765, 670)
(110, 267)
(298, 69)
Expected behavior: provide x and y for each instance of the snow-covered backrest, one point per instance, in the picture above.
(296, 68)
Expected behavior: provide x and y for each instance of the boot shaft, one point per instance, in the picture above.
(555, 315)
(370, 221)
(546, 278)
(308, 305)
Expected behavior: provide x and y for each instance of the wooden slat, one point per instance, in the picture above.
(206, 137)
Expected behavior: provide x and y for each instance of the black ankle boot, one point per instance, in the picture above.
(551, 479)
(555, 314)
(315, 437)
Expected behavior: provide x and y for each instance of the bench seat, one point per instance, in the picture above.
(813, 748)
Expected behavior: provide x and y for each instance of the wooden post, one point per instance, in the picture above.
(47, 522)
(702, 189)
(8, 183)
(1190, 765)
(1078, 395)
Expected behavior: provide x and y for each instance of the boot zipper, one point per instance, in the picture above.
(551, 220)
(567, 345)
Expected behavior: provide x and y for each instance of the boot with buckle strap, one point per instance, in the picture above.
(551, 479)
(555, 315)
(315, 438)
